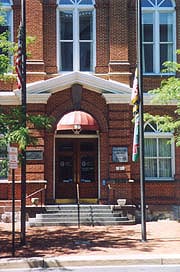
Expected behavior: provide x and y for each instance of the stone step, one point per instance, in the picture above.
(75, 223)
(82, 219)
(75, 214)
(75, 217)
(75, 208)
(93, 215)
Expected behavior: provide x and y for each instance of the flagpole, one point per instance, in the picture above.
(141, 122)
(23, 101)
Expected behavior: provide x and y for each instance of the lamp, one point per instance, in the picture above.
(76, 129)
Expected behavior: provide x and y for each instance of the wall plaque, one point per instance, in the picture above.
(119, 154)
(34, 155)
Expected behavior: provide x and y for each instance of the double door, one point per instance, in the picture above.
(76, 168)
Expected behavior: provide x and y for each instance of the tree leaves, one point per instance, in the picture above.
(168, 93)
(13, 132)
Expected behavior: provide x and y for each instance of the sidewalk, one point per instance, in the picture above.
(62, 246)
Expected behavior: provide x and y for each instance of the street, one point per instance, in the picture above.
(138, 268)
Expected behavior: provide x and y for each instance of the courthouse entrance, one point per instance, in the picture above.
(76, 163)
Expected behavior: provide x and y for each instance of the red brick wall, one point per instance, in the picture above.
(115, 59)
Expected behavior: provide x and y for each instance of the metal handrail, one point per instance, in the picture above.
(36, 192)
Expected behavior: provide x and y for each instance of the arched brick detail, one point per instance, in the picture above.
(60, 103)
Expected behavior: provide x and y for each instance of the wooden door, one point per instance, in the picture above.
(76, 163)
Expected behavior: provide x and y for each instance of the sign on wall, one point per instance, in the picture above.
(34, 155)
(119, 154)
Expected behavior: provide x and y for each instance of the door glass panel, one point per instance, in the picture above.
(86, 146)
(87, 169)
(66, 169)
(66, 147)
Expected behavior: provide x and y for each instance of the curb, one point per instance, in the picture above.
(92, 260)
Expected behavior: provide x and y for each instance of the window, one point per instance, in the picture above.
(6, 30)
(76, 35)
(6, 13)
(158, 34)
(158, 154)
(3, 162)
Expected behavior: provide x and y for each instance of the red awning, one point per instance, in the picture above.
(74, 118)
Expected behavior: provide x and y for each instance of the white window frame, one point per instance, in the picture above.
(157, 134)
(76, 58)
(8, 8)
(156, 35)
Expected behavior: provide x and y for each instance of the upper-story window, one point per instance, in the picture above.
(158, 153)
(76, 35)
(158, 34)
(6, 29)
(6, 14)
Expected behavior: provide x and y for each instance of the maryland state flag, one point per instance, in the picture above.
(135, 153)
(135, 102)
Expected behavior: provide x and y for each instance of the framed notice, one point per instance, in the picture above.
(34, 155)
(119, 154)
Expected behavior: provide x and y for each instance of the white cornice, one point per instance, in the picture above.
(66, 80)
(39, 92)
(11, 98)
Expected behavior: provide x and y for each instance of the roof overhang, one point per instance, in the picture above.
(87, 80)
(40, 91)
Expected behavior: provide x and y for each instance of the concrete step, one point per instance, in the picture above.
(93, 215)
(75, 214)
(75, 223)
(82, 219)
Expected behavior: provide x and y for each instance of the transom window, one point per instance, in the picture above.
(76, 35)
(158, 34)
(158, 153)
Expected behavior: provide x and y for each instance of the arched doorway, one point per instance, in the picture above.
(76, 158)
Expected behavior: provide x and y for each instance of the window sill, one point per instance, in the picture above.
(159, 180)
(158, 74)
(3, 181)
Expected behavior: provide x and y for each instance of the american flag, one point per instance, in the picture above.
(19, 59)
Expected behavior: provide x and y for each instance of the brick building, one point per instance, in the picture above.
(80, 72)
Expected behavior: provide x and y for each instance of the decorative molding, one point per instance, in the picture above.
(87, 80)
(76, 96)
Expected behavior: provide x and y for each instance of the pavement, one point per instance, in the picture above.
(73, 246)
